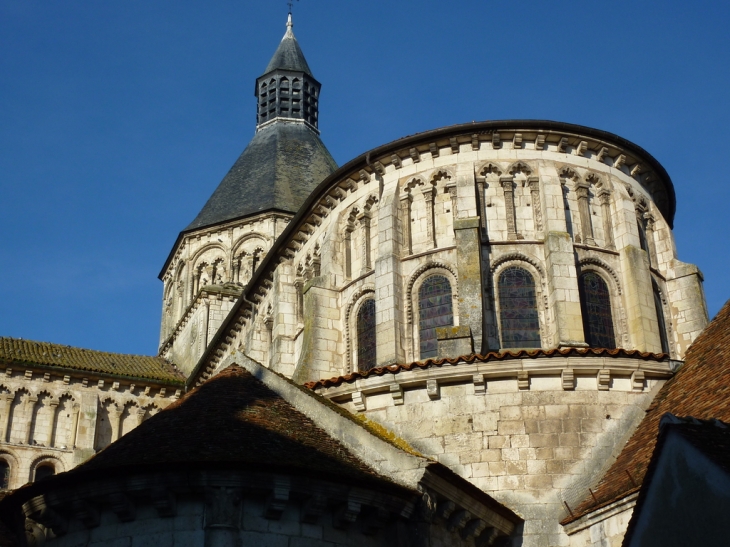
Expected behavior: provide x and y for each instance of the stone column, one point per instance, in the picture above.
(115, 419)
(347, 238)
(650, 244)
(509, 204)
(605, 198)
(364, 219)
(74, 425)
(247, 267)
(195, 286)
(454, 202)
(481, 206)
(51, 422)
(405, 215)
(534, 184)
(428, 192)
(140, 415)
(237, 270)
(584, 210)
(29, 402)
(7, 403)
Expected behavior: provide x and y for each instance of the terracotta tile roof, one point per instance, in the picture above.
(20, 353)
(491, 356)
(701, 388)
(233, 420)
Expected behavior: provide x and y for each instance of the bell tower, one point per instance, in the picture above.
(216, 255)
(287, 90)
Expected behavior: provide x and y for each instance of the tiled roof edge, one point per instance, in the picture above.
(491, 356)
(4, 362)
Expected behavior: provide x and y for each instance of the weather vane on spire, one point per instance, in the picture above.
(290, 3)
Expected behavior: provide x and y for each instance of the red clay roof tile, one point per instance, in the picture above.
(701, 389)
(491, 356)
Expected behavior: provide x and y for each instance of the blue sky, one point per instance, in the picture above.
(118, 120)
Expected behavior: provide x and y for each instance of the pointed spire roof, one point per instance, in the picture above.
(288, 55)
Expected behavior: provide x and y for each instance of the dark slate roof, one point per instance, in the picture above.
(288, 56)
(278, 170)
(234, 421)
(15, 352)
(701, 388)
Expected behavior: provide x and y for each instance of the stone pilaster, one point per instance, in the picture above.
(584, 210)
(563, 296)
(466, 232)
(639, 301)
(321, 333)
(389, 299)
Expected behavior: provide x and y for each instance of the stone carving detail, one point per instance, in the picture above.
(507, 184)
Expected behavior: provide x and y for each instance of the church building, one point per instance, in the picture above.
(452, 339)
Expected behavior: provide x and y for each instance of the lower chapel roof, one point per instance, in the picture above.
(701, 389)
(16, 352)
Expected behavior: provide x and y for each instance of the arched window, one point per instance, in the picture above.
(595, 302)
(366, 335)
(519, 322)
(4, 475)
(434, 310)
(43, 471)
(660, 318)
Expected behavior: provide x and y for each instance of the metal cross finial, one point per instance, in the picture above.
(290, 3)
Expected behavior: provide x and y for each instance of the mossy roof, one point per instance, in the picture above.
(19, 352)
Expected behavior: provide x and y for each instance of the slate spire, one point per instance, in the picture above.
(285, 160)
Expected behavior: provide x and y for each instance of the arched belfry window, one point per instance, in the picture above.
(435, 309)
(595, 300)
(519, 322)
(366, 357)
(44, 470)
(4, 474)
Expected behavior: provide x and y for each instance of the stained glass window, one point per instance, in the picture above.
(518, 309)
(596, 307)
(366, 335)
(4, 475)
(434, 310)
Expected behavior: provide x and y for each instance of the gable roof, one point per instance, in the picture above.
(277, 171)
(22, 353)
(234, 420)
(701, 388)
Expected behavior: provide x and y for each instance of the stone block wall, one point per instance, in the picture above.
(49, 419)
